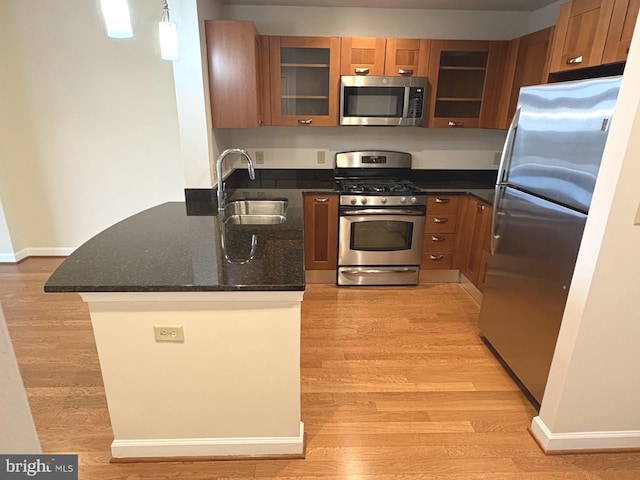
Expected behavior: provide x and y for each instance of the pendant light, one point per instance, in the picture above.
(168, 35)
(117, 18)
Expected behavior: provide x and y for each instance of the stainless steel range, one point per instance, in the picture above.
(382, 217)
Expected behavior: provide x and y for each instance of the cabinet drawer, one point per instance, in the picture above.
(439, 204)
(439, 242)
(437, 260)
(440, 224)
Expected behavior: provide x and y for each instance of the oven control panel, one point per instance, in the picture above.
(382, 200)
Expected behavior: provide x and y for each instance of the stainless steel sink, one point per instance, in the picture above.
(256, 212)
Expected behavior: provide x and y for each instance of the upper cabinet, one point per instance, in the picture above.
(362, 56)
(530, 60)
(305, 72)
(236, 74)
(407, 57)
(580, 35)
(623, 20)
(379, 56)
(468, 83)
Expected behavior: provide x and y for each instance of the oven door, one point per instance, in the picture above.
(388, 241)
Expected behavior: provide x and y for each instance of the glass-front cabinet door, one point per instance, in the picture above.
(469, 78)
(305, 73)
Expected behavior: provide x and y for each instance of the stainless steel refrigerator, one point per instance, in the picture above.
(545, 183)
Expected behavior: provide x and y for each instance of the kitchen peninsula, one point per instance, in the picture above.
(226, 297)
(225, 381)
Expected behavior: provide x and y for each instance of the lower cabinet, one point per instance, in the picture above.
(438, 250)
(474, 240)
(321, 231)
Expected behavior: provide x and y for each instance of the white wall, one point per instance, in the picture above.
(544, 17)
(90, 130)
(382, 22)
(592, 396)
(18, 433)
(293, 147)
(198, 144)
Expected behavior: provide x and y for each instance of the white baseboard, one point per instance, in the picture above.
(209, 447)
(583, 441)
(34, 252)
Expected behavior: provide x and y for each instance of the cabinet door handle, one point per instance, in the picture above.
(436, 257)
(574, 60)
(480, 206)
(361, 71)
(442, 200)
(456, 124)
(402, 71)
(321, 199)
(440, 219)
(305, 122)
(437, 239)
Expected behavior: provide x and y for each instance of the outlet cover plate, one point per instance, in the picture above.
(168, 333)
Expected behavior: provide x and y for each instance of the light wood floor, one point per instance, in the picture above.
(395, 385)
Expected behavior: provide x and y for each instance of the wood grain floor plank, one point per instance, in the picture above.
(396, 385)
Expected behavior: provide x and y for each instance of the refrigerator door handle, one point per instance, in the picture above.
(503, 170)
(495, 213)
(505, 158)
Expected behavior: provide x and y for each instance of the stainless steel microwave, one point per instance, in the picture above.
(399, 101)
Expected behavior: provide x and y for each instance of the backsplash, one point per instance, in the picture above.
(307, 148)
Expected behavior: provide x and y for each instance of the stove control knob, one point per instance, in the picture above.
(383, 200)
(364, 200)
(353, 201)
(414, 199)
(403, 199)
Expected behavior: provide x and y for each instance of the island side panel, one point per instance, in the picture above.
(231, 388)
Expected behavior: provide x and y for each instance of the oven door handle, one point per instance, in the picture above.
(370, 271)
(383, 211)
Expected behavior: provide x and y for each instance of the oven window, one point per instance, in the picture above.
(381, 236)
(373, 101)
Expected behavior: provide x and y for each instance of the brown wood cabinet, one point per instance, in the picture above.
(362, 56)
(236, 76)
(580, 34)
(320, 231)
(304, 80)
(473, 239)
(530, 63)
(400, 57)
(407, 57)
(623, 20)
(438, 249)
(468, 83)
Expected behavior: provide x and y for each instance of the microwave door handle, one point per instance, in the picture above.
(405, 104)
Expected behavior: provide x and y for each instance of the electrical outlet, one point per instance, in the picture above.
(259, 156)
(169, 333)
(496, 158)
(320, 156)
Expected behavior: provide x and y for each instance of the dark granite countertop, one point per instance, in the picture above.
(166, 249)
(177, 246)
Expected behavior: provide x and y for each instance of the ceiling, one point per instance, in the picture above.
(495, 5)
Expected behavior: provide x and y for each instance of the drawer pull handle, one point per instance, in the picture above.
(361, 71)
(442, 200)
(305, 122)
(440, 219)
(436, 257)
(456, 124)
(480, 206)
(574, 60)
(402, 71)
(321, 199)
(437, 239)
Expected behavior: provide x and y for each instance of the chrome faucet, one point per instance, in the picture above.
(223, 155)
